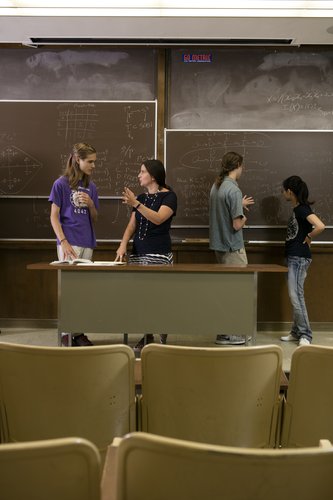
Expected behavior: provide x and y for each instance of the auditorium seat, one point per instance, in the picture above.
(52, 392)
(160, 468)
(226, 395)
(308, 410)
(57, 469)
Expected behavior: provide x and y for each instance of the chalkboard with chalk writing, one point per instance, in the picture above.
(36, 138)
(251, 88)
(193, 160)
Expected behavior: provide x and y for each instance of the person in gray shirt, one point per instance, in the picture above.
(227, 219)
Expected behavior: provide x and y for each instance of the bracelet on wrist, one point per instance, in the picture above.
(138, 206)
(64, 239)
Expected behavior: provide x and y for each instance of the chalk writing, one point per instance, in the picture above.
(17, 168)
(137, 119)
(193, 160)
(122, 134)
(275, 89)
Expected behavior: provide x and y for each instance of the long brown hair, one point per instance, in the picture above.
(81, 150)
(230, 161)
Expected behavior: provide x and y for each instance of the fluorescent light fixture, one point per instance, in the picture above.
(167, 8)
(167, 4)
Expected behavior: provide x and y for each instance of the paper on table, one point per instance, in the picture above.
(103, 263)
(72, 261)
(109, 263)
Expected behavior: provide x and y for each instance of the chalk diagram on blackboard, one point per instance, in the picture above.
(17, 169)
(269, 157)
(209, 152)
(199, 167)
(136, 119)
(77, 122)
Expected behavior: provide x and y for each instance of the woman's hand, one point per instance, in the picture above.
(68, 250)
(121, 253)
(129, 197)
(84, 199)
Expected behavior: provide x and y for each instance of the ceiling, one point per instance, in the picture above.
(167, 26)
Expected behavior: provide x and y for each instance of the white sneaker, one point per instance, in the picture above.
(229, 340)
(289, 338)
(304, 341)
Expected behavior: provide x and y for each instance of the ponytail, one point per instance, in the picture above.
(230, 162)
(299, 188)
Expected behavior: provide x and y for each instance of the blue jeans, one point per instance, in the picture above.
(297, 271)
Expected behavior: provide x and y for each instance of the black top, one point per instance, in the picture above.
(298, 228)
(149, 237)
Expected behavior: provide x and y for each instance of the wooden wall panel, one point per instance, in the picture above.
(33, 294)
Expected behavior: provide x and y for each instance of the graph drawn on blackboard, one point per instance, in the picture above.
(78, 123)
(17, 169)
(36, 138)
(193, 160)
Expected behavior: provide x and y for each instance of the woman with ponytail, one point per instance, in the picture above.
(74, 205)
(303, 227)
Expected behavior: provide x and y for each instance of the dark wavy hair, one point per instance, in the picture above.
(157, 170)
(230, 162)
(81, 150)
(299, 188)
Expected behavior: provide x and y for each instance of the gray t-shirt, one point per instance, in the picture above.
(225, 204)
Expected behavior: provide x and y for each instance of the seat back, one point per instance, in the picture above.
(58, 469)
(52, 392)
(214, 395)
(162, 468)
(308, 412)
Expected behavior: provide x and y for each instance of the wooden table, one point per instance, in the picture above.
(186, 299)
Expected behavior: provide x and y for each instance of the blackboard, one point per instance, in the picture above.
(103, 73)
(36, 139)
(193, 159)
(252, 88)
(29, 219)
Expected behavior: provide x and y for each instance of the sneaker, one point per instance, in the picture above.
(146, 339)
(65, 340)
(304, 341)
(81, 340)
(163, 338)
(229, 340)
(289, 338)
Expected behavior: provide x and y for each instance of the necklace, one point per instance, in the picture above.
(144, 223)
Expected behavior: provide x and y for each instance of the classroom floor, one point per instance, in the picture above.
(49, 337)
